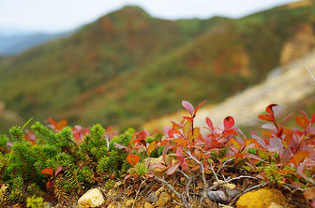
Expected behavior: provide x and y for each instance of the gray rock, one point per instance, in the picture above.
(217, 196)
(152, 198)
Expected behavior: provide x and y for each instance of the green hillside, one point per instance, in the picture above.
(128, 67)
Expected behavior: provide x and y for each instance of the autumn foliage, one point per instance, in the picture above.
(59, 159)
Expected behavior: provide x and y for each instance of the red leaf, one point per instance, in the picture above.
(188, 106)
(58, 170)
(61, 124)
(228, 122)
(58, 125)
(302, 121)
(265, 117)
(300, 156)
(286, 155)
(230, 132)
(181, 141)
(172, 169)
(209, 123)
(48, 185)
(235, 143)
(269, 108)
(287, 117)
(166, 148)
(188, 118)
(152, 146)
(52, 121)
(313, 119)
(287, 140)
(179, 152)
(249, 141)
(197, 108)
(127, 176)
(133, 159)
(303, 113)
(47, 171)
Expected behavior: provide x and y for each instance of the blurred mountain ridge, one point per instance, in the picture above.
(127, 67)
(15, 43)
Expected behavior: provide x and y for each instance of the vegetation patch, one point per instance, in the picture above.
(56, 163)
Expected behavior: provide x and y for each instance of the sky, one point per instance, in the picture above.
(64, 15)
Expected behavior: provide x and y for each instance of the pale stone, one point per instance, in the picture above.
(92, 198)
(148, 205)
(160, 190)
(225, 206)
(152, 198)
(117, 184)
(130, 202)
(261, 199)
(274, 205)
(227, 185)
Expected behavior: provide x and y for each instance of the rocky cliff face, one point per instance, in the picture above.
(301, 44)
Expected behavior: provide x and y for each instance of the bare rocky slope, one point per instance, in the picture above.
(285, 86)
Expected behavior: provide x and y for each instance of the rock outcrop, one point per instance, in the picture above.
(92, 198)
(262, 198)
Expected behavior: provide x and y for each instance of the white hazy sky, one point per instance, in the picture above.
(61, 15)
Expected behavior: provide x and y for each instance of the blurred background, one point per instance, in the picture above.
(130, 63)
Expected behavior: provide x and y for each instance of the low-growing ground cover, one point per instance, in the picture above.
(56, 163)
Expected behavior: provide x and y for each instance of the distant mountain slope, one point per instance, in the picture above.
(14, 44)
(286, 86)
(128, 67)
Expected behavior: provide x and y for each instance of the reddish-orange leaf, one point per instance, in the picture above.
(188, 118)
(133, 159)
(196, 133)
(172, 169)
(287, 140)
(239, 155)
(235, 143)
(187, 127)
(302, 121)
(47, 171)
(229, 132)
(300, 156)
(58, 170)
(52, 121)
(48, 185)
(152, 146)
(228, 122)
(181, 141)
(197, 167)
(209, 123)
(265, 117)
(197, 108)
(176, 126)
(61, 124)
(249, 141)
(27, 138)
(269, 108)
